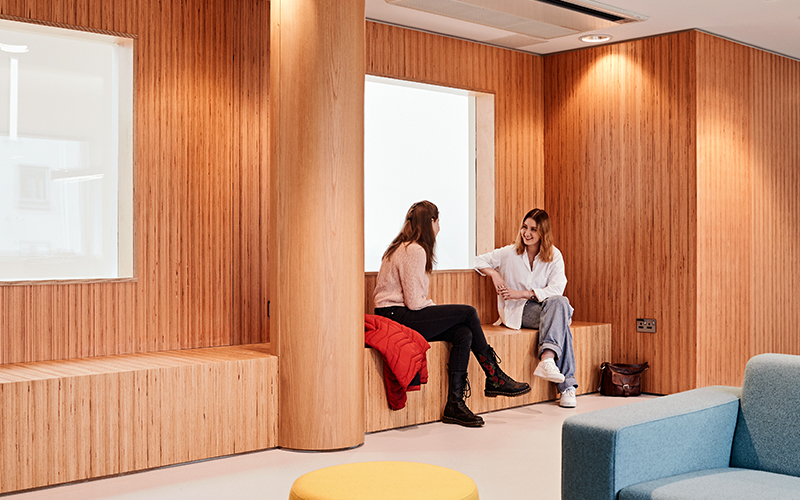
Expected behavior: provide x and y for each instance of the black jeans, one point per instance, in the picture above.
(455, 323)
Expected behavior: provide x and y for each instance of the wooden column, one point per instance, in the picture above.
(317, 220)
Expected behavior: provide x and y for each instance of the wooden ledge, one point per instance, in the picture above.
(488, 328)
(43, 370)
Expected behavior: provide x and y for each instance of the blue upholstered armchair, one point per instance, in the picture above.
(710, 443)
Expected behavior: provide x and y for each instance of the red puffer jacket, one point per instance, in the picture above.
(403, 351)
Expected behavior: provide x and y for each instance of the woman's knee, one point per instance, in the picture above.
(470, 313)
(558, 301)
(462, 335)
(465, 314)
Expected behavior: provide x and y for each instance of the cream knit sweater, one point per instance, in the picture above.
(402, 280)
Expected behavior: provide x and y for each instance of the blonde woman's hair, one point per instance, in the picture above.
(542, 221)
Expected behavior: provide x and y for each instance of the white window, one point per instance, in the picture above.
(426, 142)
(66, 154)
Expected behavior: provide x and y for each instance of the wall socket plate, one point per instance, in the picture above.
(645, 325)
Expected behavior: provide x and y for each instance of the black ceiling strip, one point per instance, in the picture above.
(584, 10)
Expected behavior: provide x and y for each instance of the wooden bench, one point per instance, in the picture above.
(70, 420)
(517, 350)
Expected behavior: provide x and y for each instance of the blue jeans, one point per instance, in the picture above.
(455, 323)
(551, 317)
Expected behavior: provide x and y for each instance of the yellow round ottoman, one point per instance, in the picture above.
(384, 481)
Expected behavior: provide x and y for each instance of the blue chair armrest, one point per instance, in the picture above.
(606, 450)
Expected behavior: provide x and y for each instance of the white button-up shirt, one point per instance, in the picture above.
(545, 279)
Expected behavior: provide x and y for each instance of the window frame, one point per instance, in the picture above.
(482, 196)
(127, 268)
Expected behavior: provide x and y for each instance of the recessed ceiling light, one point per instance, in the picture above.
(595, 38)
(14, 49)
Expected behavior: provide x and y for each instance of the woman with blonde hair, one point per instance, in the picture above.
(529, 278)
(401, 294)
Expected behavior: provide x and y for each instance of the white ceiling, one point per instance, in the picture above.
(772, 25)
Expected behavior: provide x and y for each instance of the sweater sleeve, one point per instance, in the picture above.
(413, 279)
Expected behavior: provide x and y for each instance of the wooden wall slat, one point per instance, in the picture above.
(201, 202)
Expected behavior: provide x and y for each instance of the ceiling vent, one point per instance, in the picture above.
(541, 19)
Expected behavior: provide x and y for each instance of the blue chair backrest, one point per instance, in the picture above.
(767, 435)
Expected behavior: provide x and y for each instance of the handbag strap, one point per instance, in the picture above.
(625, 368)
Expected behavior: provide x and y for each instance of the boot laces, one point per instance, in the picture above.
(467, 387)
(496, 358)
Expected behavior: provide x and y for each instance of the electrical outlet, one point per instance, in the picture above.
(645, 325)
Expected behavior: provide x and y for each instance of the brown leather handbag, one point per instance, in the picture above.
(617, 379)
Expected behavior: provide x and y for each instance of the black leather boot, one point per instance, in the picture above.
(497, 382)
(456, 411)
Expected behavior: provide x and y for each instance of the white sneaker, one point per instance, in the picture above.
(568, 399)
(548, 370)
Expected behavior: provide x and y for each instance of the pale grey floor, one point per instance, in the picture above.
(516, 455)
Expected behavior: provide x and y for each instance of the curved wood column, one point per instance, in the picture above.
(317, 220)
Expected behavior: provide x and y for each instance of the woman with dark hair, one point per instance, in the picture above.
(401, 294)
(529, 278)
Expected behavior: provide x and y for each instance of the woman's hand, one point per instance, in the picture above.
(511, 294)
(497, 279)
(499, 283)
(502, 289)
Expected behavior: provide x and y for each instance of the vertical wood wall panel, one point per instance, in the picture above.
(619, 157)
(748, 211)
(250, 156)
(724, 211)
(774, 98)
(201, 184)
(671, 174)
(450, 287)
(515, 79)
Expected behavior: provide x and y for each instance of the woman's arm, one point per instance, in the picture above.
(497, 278)
(511, 294)
(413, 279)
(489, 260)
(488, 265)
(491, 264)
(501, 287)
